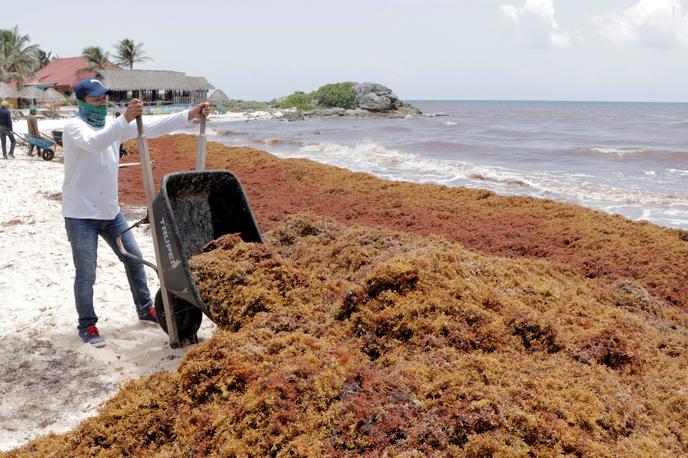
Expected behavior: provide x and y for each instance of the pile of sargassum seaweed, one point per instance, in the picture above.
(357, 341)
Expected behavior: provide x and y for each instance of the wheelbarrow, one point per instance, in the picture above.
(192, 209)
(45, 147)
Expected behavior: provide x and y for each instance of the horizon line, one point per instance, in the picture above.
(541, 100)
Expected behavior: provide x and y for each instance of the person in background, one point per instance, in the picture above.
(90, 206)
(32, 124)
(122, 151)
(6, 129)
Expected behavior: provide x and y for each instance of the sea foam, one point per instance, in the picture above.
(619, 151)
(402, 166)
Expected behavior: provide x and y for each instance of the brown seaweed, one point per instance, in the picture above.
(341, 340)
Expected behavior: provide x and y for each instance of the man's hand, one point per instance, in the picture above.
(134, 109)
(202, 109)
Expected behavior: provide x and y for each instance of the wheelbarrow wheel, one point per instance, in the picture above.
(47, 154)
(188, 316)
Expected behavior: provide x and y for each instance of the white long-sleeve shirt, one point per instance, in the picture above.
(91, 162)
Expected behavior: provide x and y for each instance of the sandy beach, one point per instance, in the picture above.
(51, 380)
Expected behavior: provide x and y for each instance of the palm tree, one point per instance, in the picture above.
(127, 52)
(43, 58)
(96, 58)
(17, 57)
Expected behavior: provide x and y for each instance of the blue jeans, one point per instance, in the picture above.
(5, 132)
(83, 236)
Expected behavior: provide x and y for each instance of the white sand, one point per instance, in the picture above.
(50, 380)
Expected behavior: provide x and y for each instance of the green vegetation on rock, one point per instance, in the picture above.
(299, 100)
(334, 95)
(240, 105)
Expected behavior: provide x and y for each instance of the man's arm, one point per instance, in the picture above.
(158, 126)
(92, 140)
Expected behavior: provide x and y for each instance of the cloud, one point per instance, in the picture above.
(648, 23)
(535, 24)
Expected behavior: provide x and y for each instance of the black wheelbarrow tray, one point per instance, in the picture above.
(192, 209)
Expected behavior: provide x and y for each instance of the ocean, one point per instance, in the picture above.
(623, 158)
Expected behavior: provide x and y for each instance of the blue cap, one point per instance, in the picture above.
(90, 87)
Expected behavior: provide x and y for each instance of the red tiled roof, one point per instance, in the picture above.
(63, 72)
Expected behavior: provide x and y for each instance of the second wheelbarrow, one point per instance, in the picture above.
(45, 147)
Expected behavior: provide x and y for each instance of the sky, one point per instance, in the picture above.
(597, 50)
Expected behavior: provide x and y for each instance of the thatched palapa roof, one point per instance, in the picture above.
(218, 96)
(6, 91)
(31, 92)
(133, 80)
(51, 95)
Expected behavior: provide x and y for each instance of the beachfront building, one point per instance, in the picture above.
(62, 74)
(155, 87)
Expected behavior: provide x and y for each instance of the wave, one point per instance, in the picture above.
(498, 179)
(568, 188)
(222, 132)
(435, 115)
(630, 152)
(619, 151)
(402, 166)
(276, 142)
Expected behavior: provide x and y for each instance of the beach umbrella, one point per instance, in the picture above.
(7, 92)
(219, 97)
(51, 95)
(31, 92)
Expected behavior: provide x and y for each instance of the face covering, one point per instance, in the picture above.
(94, 115)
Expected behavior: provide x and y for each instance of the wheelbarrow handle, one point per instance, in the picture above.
(139, 125)
(170, 318)
(201, 146)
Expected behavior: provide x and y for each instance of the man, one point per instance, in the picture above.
(122, 151)
(32, 124)
(6, 129)
(89, 194)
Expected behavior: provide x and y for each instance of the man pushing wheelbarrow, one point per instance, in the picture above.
(45, 147)
(32, 124)
(90, 195)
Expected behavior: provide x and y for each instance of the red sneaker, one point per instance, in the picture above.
(92, 336)
(149, 316)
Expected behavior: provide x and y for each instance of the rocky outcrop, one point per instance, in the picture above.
(373, 100)
(375, 97)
